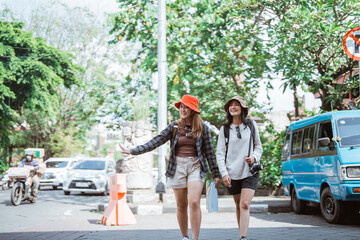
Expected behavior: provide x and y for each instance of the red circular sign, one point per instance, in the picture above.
(357, 41)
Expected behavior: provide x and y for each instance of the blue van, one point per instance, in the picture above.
(321, 162)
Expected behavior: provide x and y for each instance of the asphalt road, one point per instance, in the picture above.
(56, 216)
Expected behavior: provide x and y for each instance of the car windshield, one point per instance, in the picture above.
(56, 164)
(90, 165)
(349, 131)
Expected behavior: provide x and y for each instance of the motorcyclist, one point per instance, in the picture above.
(30, 161)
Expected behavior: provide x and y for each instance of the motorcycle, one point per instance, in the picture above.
(21, 190)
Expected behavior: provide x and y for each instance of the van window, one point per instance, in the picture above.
(308, 140)
(296, 142)
(286, 148)
(325, 130)
(349, 131)
(56, 164)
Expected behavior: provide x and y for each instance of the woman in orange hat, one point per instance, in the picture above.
(187, 168)
(238, 152)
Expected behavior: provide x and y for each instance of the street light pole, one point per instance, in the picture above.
(356, 50)
(162, 91)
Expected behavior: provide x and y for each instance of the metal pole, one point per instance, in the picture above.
(162, 91)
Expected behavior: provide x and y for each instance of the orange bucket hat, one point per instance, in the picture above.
(189, 101)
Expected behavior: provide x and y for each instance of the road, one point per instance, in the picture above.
(56, 216)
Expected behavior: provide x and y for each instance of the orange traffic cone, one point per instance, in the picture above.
(118, 212)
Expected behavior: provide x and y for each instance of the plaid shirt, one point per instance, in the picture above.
(204, 149)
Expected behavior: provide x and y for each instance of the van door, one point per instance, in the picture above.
(309, 159)
(326, 160)
(285, 165)
(302, 161)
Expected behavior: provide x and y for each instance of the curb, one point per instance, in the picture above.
(158, 209)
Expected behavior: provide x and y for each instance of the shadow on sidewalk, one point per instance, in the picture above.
(313, 217)
(278, 233)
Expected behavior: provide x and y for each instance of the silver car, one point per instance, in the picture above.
(89, 175)
(55, 171)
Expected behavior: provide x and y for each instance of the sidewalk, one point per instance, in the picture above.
(79, 221)
(259, 204)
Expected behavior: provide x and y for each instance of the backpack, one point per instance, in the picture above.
(227, 133)
(175, 129)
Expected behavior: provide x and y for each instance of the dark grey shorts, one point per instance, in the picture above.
(249, 182)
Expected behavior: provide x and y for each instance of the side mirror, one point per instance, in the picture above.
(324, 142)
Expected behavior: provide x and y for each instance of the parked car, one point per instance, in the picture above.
(321, 163)
(55, 171)
(89, 175)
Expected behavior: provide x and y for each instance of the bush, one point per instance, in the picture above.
(3, 166)
(272, 143)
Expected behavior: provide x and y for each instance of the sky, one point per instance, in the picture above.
(279, 101)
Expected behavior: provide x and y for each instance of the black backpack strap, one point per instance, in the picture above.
(226, 135)
(174, 131)
(252, 136)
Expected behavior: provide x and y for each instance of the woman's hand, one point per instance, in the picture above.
(227, 181)
(250, 160)
(124, 150)
(217, 182)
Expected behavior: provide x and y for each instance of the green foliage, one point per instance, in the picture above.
(214, 50)
(64, 143)
(272, 143)
(3, 166)
(74, 108)
(30, 74)
(307, 40)
(141, 108)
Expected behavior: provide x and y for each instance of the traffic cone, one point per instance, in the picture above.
(118, 212)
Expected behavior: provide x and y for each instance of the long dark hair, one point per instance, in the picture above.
(243, 114)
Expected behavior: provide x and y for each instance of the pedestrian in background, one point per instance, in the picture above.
(239, 147)
(187, 168)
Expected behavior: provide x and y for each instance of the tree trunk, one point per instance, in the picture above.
(10, 153)
(296, 104)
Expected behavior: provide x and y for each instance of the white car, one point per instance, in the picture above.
(89, 175)
(55, 171)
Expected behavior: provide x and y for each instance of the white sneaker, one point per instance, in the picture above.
(185, 238)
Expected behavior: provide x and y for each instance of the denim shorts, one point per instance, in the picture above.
(249, 182)
(187, 170)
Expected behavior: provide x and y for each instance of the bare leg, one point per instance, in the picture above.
(245, 201)
(237, 205)
(195, 189)
(35, 185)
(181, 203)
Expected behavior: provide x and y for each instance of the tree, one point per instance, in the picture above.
(307, 39)
(80, 32)
(30, 74)
(214, 50)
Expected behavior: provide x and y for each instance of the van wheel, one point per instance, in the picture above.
(67, 192)
(54, 187)
(297, 205)
(331, 209)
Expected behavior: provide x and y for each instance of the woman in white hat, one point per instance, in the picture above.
(238, 148)
(190, 144)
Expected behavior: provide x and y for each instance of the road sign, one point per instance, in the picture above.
(356, 37)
